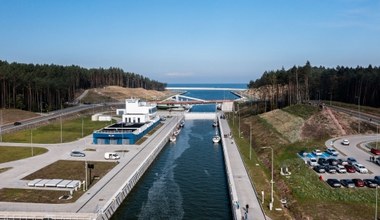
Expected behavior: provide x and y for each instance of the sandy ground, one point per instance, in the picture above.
(121, 93)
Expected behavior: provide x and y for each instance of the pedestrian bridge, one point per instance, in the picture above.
(204, 88)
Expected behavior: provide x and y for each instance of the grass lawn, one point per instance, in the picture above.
(62, 169)
(16, 153)
(51, 133)
(34, 195)
(5, 169)
(72, 170)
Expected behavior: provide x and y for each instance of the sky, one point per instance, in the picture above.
(191, 41)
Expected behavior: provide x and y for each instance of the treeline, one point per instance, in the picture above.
(48, 87)
(300, 84)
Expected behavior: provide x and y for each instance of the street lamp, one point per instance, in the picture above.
(239, 117)
(358, 112)
(250, 141)
(271, 181)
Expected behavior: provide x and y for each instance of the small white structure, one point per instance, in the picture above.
(100, 117)
(137, 112)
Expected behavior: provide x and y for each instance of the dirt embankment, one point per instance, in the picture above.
(117, 93)
(320, 125)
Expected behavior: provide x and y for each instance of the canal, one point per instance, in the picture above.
(186, 181)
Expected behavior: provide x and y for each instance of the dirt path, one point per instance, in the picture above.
(336, 122)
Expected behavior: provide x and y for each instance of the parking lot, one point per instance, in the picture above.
(355, 149)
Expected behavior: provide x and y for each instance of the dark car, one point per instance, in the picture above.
(377, 180)
(375, 151)
(332, 161)
(17, 123)
(333, 183)
(347, 183)
(350, 169)
(351, 160)
(370, 183)
(319, 169)
(330, 169)
(342, 162)
(323, 162)
(358, 182)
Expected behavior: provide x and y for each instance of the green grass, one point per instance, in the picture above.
(73, 170)
(303, 111)
(51, 133)
(5, 169)
(36, 195)
(17, 153)
(374, 145)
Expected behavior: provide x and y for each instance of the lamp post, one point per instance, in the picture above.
(31, 140)
(358, 112)
(61, 127)
(239, 117)
(250, 141)
(376, 205)
(271, 181)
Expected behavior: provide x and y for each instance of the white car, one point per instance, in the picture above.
(332, 151)
(312, 161)
(345, 142)
(317, 152)
(360, 168)
(341, 169)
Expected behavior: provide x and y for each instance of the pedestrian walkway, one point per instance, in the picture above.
(246, 196)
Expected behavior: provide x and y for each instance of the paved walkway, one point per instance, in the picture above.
(244, 189)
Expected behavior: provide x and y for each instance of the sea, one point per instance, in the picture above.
(188, 179)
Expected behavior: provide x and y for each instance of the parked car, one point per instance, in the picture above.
(312, 161)
(340, 169)
(111, 156)
(332, 161)
(323, 162)
(350, 168)
(375, 151)
(342, 161)
(17, 123)
(319, 169)
(377, 160)
(358, 182)
(303, 153)
(377, 179)
(360, 168)
(334, 183)
(347, 183)
(317, 152)
(330, 169)
(332, 151)
(351, 160)
(345, 142)
(76, 153)
(370, 183)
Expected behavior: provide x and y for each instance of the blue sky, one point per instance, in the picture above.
(192, 41)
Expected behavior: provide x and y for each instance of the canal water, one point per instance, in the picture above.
(186, 181)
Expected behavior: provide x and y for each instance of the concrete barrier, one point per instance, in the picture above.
(200, 115)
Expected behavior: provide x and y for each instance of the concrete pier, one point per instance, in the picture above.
(242, 192)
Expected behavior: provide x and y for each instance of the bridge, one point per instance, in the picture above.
(203, 88)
